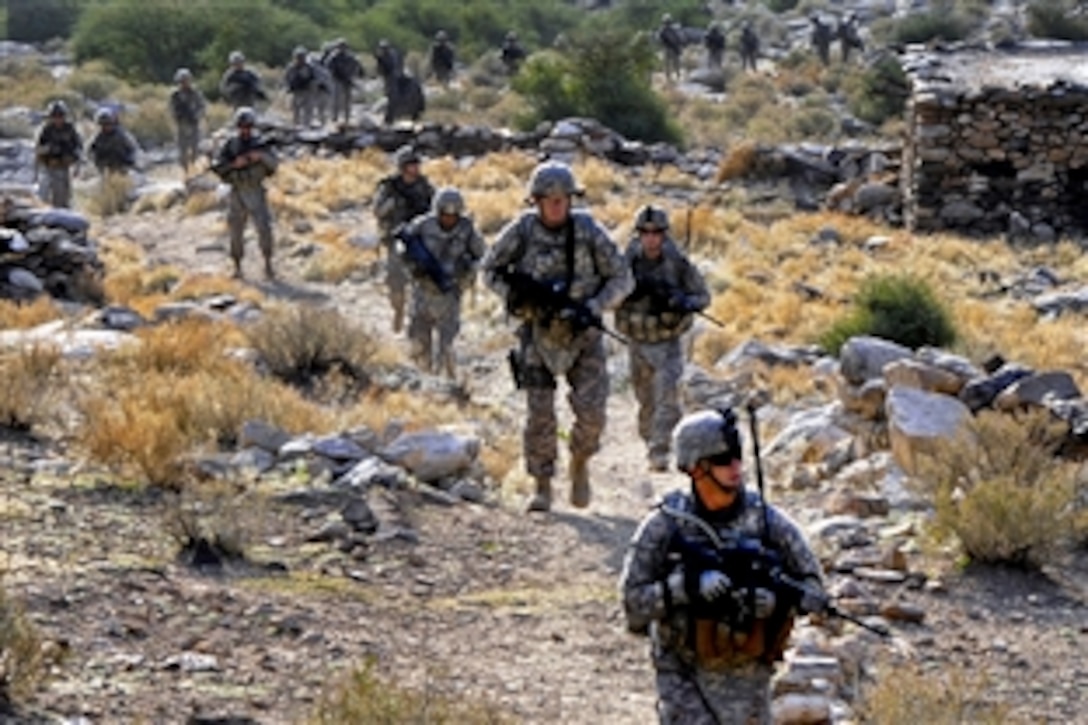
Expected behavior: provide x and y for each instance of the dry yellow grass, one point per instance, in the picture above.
(23, 315)
(32, 382)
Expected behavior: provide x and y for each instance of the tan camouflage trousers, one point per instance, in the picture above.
(246, 203)
(188, 144)
(396, 279)
(655, 375)
(341, 101)
(433, 312)
(588, 398)
(698, 697)
(56, 187)
(302, 108)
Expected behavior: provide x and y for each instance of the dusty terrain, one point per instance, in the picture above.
(521, 610)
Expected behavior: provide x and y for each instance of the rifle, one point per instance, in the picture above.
(422, 261)
(552, 299)
(662, 295)
(223, 167)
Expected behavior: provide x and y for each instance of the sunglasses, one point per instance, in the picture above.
(723, 459)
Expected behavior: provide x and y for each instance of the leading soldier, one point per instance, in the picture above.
(714, 640)
(441, 271)
(668, 292)
(400, 198)
(577, 273)
(58, 151)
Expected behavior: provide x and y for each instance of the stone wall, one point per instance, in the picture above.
(992, 152)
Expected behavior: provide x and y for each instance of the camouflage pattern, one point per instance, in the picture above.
(458, 250)
(241, 86)
(733, 690)
(113, 150)
(247, 194)
(821, 39)
(389, 63)
(322, 91)
(187, 109)
(395, 203)
(344, 67)
(672, 41)
(58, 149)
(443, 59)
(300, 78)
(714, 40)
(404, 98)
(749, 47)
(848, 36)
(550, 346)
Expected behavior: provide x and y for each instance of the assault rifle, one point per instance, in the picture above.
(422, 261)
(222, 168)
(664, 298)
(552, 299)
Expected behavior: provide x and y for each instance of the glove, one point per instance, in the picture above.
(685, 303)
(765, 603)
(813, 600)
(713, 585)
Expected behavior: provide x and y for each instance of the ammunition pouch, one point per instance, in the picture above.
(529, 377)
(718, 647)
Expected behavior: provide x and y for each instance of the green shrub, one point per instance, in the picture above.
(93, 80)
(1053, 19)
(879, 92)
(604, 75)
(32, 21)
(364, 698)
(900, 308)
(1007, 499)
(941, 23)
(781, 6)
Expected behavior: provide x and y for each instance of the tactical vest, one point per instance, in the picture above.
(637, 318)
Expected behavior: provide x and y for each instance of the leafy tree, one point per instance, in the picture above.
(38, 20)
(603, 75)
(879, 92)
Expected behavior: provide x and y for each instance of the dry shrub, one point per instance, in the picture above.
(948, 696)
(111, 195)
(302, 344)
(183, 347)
(362, 697)
(23, 315)
(31, 385)
(414, 410)
(1007, 499)
(22, 660)
(218, 515)
(499, 454)
(738, 163)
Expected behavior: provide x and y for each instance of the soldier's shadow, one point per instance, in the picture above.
(278, 289)
(609, 533)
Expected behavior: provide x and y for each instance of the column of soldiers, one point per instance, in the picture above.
(846, 32)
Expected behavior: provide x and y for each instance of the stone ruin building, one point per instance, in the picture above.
(997, 141)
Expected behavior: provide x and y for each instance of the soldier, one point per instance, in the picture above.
(58, 150)
(714, 40)
(244, 162)
(322, 88)
(749, 46)
(442, 58)
(344, 67)
(239, 85)
(821, 39)
(112, 150)
(567, 253)
(512, 53)
(399, 199)
(389, 63)
(673, 42)
(301, 82)
(441, 272)
(847, 33)
(187, 110)
(668, 291)
(715, 639)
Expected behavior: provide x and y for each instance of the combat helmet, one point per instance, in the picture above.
(245, 116)
(551, 178)
(299, 51)
(183, 74)
(449, 201)
(652, 219)
(406, 155)
(441, 36)
(666, 19)
(511, 36)
(58, 108)
(236, 57)
(706, 434)
(105, 115)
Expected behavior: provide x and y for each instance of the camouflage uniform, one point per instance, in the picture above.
(112, 150)
(715, 46)
(512, 53)
(247, 194)
(821, 39)
(749, 47)
(301, 81)
(442, 58)
(731, 686)
(397, 202)
(187, 110)
(240, 86)
(581, 256)
(389, 63)
(673, 42)
(849, 38)
(344, 68)
(668, 290)
(58, 149)
(458, 250)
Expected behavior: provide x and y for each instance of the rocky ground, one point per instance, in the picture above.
(472, 599)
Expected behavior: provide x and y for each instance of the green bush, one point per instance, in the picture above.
(900, 308)
(1053, 19)
(781, 6)
(945, 24)
(879, 92)
(32, 21)
(604, 75)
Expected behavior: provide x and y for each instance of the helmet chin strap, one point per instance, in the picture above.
(712, 494)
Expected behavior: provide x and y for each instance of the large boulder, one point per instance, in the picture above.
(863, 358)
(920, 423)
(432, 455)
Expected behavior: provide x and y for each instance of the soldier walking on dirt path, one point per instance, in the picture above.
(239, 85)
(716, 632)
(58, 151)
(187, 109)
(669, 290)
(558, 270)
(244, 162)
(442, 269)
(399, 199)
(749, 47)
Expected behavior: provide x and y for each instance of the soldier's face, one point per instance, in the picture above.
(651, 242)
(447, 221)
(554, 209)
(410, 172)
(718, 483)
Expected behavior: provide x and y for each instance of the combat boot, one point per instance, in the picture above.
(579, 481)
(398, 318)
(542, 499)
(237, 268)
(269, 272)
(449, 364)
